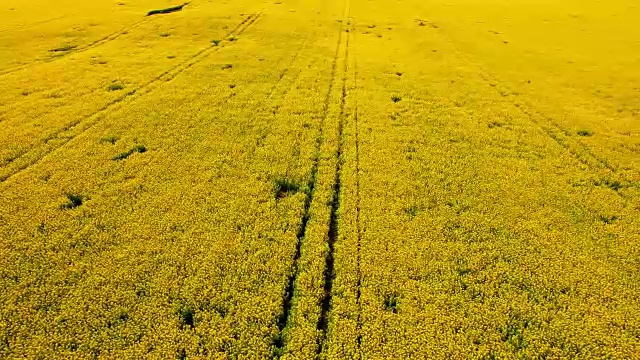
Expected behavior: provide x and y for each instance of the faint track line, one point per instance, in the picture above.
(26, 26)
(553, 130)
(559, 135)
(106, 39)
(278, 106)
(65, 135)
(555, 135)
(290, 83)
(286, 70)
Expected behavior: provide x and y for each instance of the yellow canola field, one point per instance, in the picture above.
(308, 179)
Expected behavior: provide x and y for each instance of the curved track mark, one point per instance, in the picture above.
(26, 26)
(79, 49)
(584, 154)
(57, 140)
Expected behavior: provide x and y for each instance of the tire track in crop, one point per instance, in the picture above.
(358, 202)
(104, 40)
(584, 154)
(287, 303)
(27, 26)
(285, 72)
(60, 138)
(329, 270)
(554, 130)
(280, 95)
(90, 92)
(289, 81)
(289, 87)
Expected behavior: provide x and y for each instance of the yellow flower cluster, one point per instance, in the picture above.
(319, 179)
